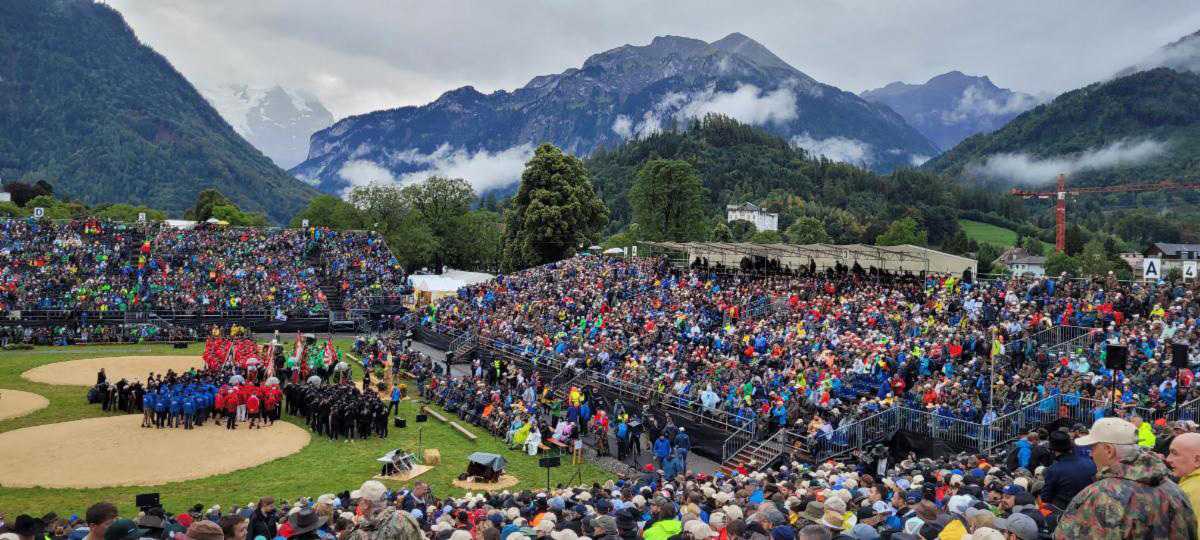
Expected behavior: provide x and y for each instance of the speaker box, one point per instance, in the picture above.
(1179, 355)
(147, 500)
(180, 345)
(1115, 357)
(549, 462)
(422, 418)
(399, 422)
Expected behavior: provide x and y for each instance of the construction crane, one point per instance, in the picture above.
(1060, 195)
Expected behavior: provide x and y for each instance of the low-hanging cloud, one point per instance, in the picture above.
(484, 170)
(841, 149)
(975, 102)
(363, 172)
(747, 103)
(1026, 169)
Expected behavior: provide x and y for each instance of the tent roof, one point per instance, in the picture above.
(495, 461)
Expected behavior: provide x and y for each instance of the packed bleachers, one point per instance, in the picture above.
(840, 345)
(106, 267)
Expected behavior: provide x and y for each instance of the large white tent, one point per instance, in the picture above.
(903, 258)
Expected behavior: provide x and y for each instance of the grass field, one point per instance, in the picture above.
(988, 233)
(323, 466)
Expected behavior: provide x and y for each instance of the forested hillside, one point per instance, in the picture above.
(738, 163)
(87, 108)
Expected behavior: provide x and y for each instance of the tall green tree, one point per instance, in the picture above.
(668, 200)
(205, 201)
(475, 241)
(555, 210)
(902, 231)
(807, 230)
(720, 233)
(1059, 262)
(439, 200)
(330, 211)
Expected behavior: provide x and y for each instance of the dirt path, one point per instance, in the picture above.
(117, 451)
(14, 403)
(83, 372)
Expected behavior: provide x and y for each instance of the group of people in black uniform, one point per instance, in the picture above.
(122, 396)
(338, 411)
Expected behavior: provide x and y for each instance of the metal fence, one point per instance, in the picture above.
(846, 438)
(736, 441)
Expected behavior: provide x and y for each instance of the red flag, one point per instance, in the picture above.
(330, 352)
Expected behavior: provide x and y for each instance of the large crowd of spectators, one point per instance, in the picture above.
(839, 345)
(101, 266)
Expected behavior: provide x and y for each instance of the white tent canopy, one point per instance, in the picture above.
(892, 258)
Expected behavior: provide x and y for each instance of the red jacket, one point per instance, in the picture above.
(252, 404)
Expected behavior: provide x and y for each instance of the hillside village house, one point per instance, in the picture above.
(763, 221)
(1018, 262)
(1173, 255)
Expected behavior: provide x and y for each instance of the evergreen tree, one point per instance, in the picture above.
(554, 212)
(667, 200)
(902, 231)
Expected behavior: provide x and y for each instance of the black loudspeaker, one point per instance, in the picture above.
(549, 462)
(146, 500)
(1179, 355)
(399, 422)
(422, 418)
(180, 345)
(1115, 357)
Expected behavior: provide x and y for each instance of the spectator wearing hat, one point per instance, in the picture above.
(1018, 527)
(1184, 460)
(1068, 475)
(304, 524)
(123, 529)
(379, 520)
(1133, 496)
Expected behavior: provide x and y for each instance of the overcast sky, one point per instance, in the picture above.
(363, 55)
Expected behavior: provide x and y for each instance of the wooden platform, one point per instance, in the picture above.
(405, 476)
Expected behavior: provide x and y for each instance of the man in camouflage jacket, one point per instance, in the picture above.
(1133, 495)
(379, 520)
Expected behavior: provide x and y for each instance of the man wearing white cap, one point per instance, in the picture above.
(1133, 496)
(380, 521)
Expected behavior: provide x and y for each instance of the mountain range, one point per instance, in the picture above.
(103, 118)
(275, 120)
(624, 93)
(952, 106)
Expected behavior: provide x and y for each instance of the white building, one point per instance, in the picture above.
(1028, 265)
(763, 221)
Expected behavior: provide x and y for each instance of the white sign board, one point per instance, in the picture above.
(39, 212)
(304, 223)
(1152, 268)
(634, 251)
(1189, 270)
(141, 217)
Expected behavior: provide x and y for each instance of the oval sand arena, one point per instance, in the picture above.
(14, 403)
(83, 372)
(117, 451)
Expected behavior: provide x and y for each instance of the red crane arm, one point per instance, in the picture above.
(1165, 185)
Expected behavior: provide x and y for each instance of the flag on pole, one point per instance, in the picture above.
(330, 352)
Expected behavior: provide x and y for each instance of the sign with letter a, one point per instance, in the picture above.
(1152, 268)
(1189, 270)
